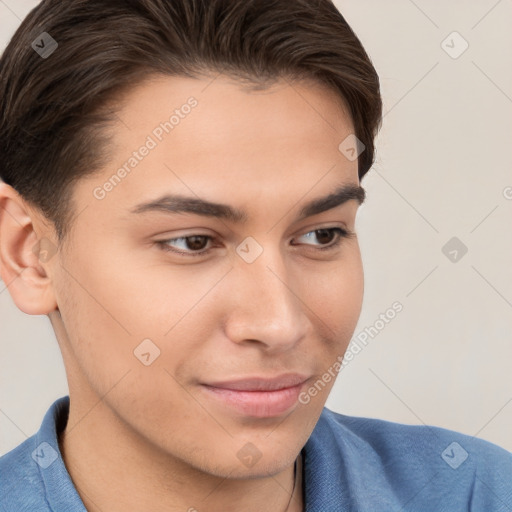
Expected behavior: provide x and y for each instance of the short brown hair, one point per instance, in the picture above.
(54, 110)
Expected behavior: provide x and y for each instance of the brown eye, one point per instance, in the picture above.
(325, 236)
(193, 245)
(196, 242)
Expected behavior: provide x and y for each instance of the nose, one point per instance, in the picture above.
(267, 308)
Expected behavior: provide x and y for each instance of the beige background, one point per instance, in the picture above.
(442, 171)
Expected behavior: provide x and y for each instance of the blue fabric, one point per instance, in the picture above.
(350, 464)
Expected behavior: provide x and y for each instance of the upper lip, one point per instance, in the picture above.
(261, 383)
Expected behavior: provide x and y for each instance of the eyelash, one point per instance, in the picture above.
(342, 234)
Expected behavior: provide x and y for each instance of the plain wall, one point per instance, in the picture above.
(442, 170)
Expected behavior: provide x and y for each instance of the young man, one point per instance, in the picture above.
(182, 179)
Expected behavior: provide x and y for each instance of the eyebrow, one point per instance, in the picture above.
(183, 204)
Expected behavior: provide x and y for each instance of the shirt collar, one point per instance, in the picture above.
(61, 494)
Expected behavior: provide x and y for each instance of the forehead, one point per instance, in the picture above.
(225, 107)
(216, 139)
(229, 90)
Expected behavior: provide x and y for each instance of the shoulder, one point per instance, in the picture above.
(33, 477)
(418, 462)
(387, 437)
(21, 485)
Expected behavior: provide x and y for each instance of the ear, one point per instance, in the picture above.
(25, 257)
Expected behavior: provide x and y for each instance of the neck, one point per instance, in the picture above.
(131, 474)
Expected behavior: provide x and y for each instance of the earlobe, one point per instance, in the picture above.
(24, 256)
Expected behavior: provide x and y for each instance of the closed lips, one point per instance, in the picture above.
(260, 384)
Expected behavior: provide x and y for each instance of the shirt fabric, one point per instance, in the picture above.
(349, 464)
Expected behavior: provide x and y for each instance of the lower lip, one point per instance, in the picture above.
(258, 404)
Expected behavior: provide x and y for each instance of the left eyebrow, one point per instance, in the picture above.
(170, 203)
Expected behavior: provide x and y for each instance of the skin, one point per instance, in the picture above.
(150, 431)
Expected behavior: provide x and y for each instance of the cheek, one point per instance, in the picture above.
(129, 294)
(111, 304)
(337, 295)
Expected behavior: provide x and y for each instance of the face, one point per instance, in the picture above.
(187, 321)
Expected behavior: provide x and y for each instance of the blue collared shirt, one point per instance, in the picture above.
(350, 464)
